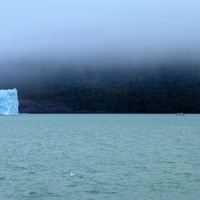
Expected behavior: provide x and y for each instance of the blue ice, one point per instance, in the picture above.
(9, 102)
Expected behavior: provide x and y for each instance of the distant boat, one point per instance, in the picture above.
(180, 114)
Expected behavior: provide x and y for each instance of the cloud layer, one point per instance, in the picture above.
(125, 30)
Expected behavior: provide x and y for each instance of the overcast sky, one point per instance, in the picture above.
(126, 28)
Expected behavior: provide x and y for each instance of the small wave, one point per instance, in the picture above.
(2, 178)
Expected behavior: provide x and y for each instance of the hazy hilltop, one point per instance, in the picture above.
(50, 87)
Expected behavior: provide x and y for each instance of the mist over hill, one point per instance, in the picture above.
(101, 56)
(67, 87)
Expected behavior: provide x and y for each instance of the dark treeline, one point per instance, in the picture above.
(159, 89)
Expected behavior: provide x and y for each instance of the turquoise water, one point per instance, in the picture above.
(115, 157)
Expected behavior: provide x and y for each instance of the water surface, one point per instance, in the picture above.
(114, 157)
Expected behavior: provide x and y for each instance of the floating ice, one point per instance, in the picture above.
(9, 102)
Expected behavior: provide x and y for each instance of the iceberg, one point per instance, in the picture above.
(9, 102)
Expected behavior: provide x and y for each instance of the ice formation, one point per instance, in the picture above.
(9, 102)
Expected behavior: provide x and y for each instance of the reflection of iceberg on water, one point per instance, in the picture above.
(9, 102)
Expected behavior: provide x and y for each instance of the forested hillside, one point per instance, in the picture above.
(158, 89)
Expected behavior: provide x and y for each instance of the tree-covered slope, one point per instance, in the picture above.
(159, 89)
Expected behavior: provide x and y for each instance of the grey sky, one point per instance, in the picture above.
(126, 28)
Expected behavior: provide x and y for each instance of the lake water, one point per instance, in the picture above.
(114, 157)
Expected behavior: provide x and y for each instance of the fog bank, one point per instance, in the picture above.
(94, 31)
